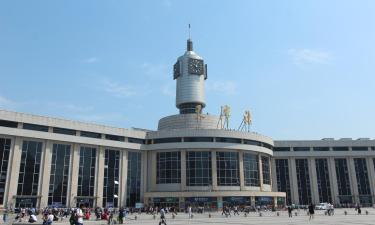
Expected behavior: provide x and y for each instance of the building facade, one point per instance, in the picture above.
(191, 159)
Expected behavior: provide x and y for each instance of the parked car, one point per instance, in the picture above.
(322, 206)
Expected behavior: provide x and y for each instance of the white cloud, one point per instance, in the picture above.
(118, 90)
(158, 71)
(4, 102)
(91, 60)
(223, 87)
(310, 56)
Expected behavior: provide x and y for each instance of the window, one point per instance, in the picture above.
(320, 149)
(134, 179)
(60, 130)
(136, 140)
(251, 142)
(301, 149)
(4, 162)
(6, 123)
(90, 134)
(111, 178)
(166, 140)
(282, 178)
(360, 148)
(266, 170)
(198, 139)
(281, 149)
(227, 169)
(343, 181)
(363, 182)
(228, 140)
(251, 170)
(168, 168)
(322, 173)
(28, 179)
(198, 168)
(340, 148)
(29, 126)
(303, 181)
(114, 137)
(58, 184)
(86, 175)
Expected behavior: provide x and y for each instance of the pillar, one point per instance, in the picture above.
(153, 171)
(370, 169)
(241, 167)
(100, 176)
(183, 170)
(333, 180)
(293, 180)
(143, 174)
(353, 180)
(123, 178)
(214, 170)
(14, 161)
(313, 181)
(260, 167)
(273, 175)
(45, 173)
(74, 169)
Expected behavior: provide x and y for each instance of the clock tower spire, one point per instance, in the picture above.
(190, 73)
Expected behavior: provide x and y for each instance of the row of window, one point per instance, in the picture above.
(30, 169)
(341, 165)
(199, 168)
(322, 149)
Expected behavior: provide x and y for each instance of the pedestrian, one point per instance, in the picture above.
(72, 219)
(162, 217)
(189, 211)
(311, 211)
(5, 215)
(290, 211)
(79, 215)
(235, 210)
(359, 211)
(50, 218)
(121, 214)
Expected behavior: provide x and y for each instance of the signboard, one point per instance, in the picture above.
(139, 205)
(219, 204)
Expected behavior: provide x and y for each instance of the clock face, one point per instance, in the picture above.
(176, 70)
(196, 66)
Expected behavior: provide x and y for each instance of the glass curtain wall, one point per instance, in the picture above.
(227, 169)
(343, 181)
(168, 168)
(266, 170)
(251, 169)
(4, 161)
(111, 178)
(282, 178)
(58, 183)
(86, 175)
(324, 187)
(198, 168)
(134, 179)
(303, 181)
(363, 182)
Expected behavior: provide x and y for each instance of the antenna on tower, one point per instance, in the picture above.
(189, 30)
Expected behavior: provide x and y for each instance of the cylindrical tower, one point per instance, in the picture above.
(190, 72)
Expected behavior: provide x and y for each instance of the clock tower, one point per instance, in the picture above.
(190, 72)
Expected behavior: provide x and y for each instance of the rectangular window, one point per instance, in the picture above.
(360, 148)
(136, 140)
(58, 184)
(343, 181)
(363, 182)
(6, 123)
(251, 169)
(134, 179)
(251, 142)
(320, 149)
(86, 175)
(228, 140)
(5, 144)
(281, 149)
(91, 134)
(198, 139)
(303, 181)
(28, 179)
(266, 170)
(166, 140)
(301, 149)
(227, 169)
(114, 137)
(111, 178)
(59, 130)
(322, 173)
(168, 168)
(282, 178)
(29, 126)
(340, 148)
(198, 168)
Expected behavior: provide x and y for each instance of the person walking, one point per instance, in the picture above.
(79, 215)
(121, 214)
(311, 211)
(189, 211)
(162, 217)
(5, 215)
(290, 211)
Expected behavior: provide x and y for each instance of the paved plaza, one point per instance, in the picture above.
(270, 218)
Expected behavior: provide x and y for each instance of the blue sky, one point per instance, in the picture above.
(305, 69)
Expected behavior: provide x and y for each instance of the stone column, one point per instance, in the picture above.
(293, 181)
(333, 180)
(143, 174)
(45, 174)
(273, 175)
(153, 171)
(313, 181)
(183, 170)
(241, 167)
(15, 161)
(260, 167)
(353, 180)
(123, 178)
(371, 174)
(100, 176)
(214, 170)
(74, 171)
